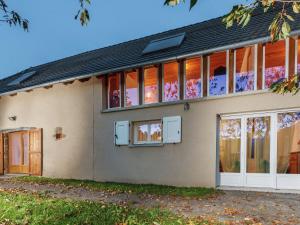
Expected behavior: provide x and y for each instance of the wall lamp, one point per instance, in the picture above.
(187, 106)
(12, 118)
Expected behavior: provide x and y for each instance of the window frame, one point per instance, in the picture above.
(201, 77)
(227, 73)
(138, 88)
(255, 46)
(108, 90)
(148, 123)
(287, 47)
(163, 82)
(143, 85)
(296, 54)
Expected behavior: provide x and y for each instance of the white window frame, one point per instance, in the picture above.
(255, 69)
(270, 180)
(227, 74)
(148, 123)
(143, 85)
(296, 54)
(138, 89)
(201, 78)
(163, 82)
(287, 47)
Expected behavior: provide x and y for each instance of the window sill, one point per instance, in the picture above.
(146, 145)
(145, 106)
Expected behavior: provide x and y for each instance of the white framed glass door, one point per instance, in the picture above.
(259, 160)
(260, 150)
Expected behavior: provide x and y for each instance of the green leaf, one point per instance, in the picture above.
(172, 2)
(290, 17)
(247, 20)
(286, 29)
(296, 7)
(193, 3)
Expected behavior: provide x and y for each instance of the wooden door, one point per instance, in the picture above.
(1, 155)
(36, 152)
(18, 153)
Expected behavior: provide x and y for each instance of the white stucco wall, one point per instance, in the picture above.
(88, 151)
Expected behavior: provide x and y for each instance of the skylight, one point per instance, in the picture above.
(164, 43)
(22, 78)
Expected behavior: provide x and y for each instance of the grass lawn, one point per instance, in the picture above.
(24, 208)
(125, 188)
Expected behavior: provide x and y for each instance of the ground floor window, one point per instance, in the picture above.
(230, 145)
(288, 143)
(148, 132)
(258, 145)
(260, 150)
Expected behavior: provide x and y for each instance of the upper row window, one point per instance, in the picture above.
(114, 96)
(193, 78)
(171, 82)
(244, 76)
(218, 73)
(298, 57)
(244, 69)
(150, 85)
(275, 68)
(131, 89)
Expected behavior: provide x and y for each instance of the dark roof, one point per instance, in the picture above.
(199, 37)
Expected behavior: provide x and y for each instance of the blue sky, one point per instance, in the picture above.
(54, 33)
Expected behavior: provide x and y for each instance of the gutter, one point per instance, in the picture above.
(204, 52)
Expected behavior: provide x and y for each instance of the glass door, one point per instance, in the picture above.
(246, 151)
(257, 151)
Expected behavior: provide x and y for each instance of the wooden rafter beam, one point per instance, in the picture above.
(84, 79)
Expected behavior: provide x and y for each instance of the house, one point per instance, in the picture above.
(186, 107)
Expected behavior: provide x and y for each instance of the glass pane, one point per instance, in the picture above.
(171, 74)
(142, 132)
(16, 149)
(217, 75)
(132, 89)
(288, 143)
(193, 87)
(155, 132)
(114, 91)
(26, 148)
(274, 62)
(258, 145)
(230, 146)
(244, 75)
(150, 85)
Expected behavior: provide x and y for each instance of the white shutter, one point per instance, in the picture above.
(122, 133)
(172, 130)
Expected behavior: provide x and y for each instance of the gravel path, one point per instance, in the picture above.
(231, 207)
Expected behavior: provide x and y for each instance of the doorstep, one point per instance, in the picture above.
(271, 190)
(7, 176)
